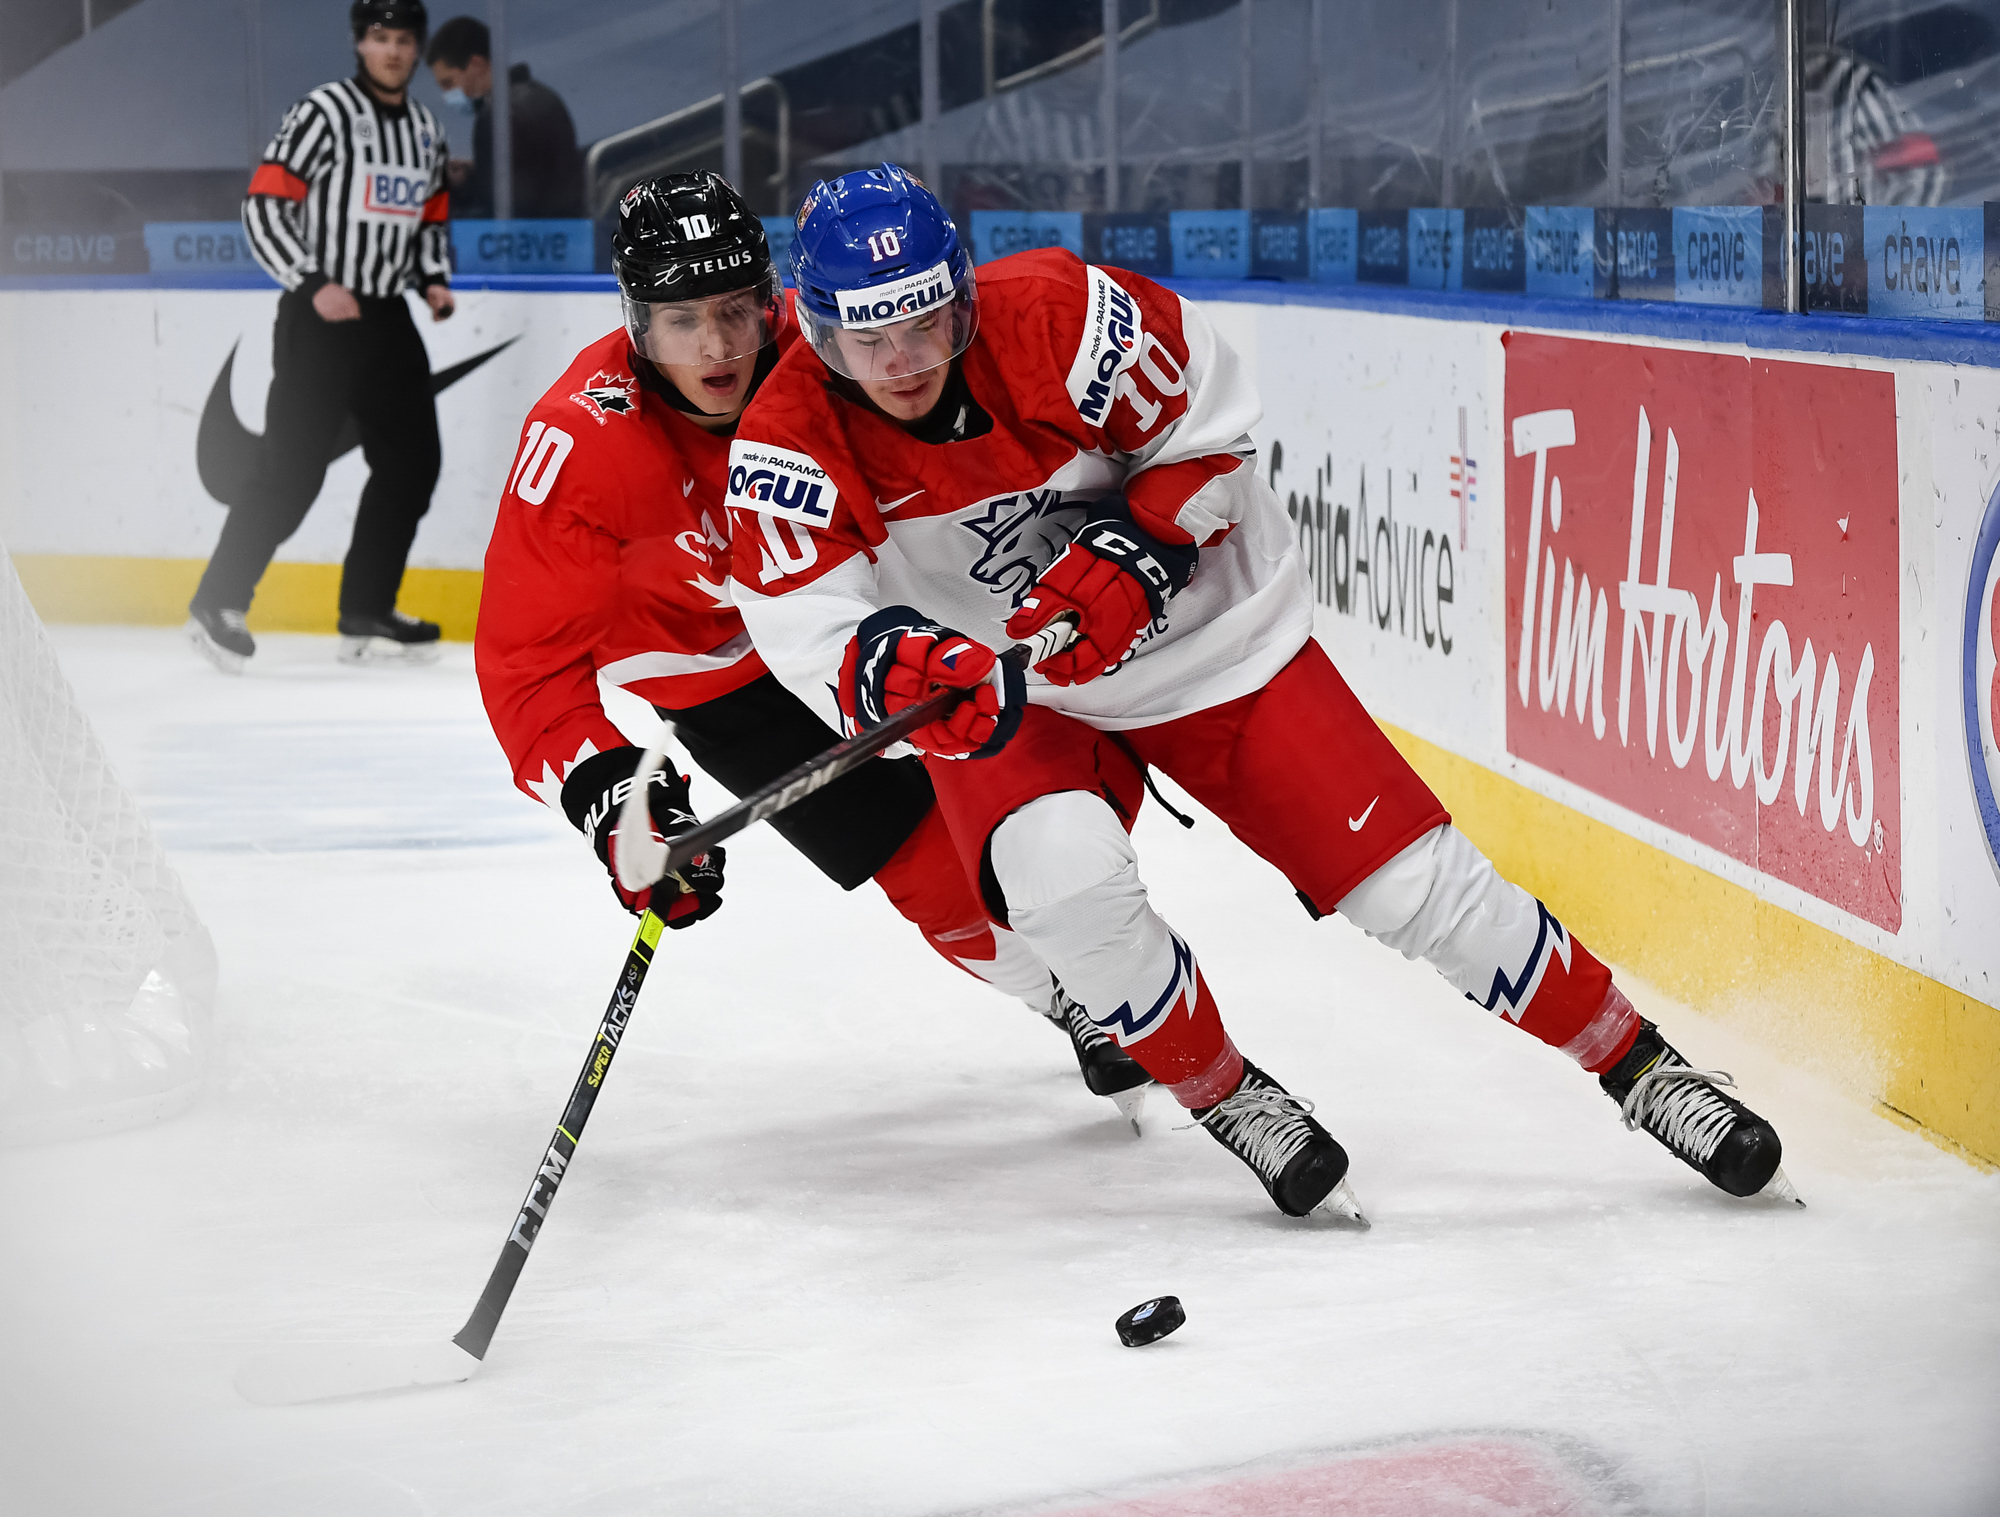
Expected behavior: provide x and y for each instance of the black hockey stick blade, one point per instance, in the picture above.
(327, 1371)
(643, 860)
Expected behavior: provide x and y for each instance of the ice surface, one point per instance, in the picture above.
(846, 1235)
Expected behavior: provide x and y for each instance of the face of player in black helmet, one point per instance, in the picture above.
(708, 348)
(708, 329)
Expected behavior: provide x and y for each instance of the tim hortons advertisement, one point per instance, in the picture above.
(1702, 617)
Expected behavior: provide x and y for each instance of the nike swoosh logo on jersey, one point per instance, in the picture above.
(225, 451)
(886, 506)
(1356, 823)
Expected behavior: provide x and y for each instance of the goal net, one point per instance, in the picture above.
(106, 973)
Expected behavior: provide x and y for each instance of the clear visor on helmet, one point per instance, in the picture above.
(712, 329)
(884, 346)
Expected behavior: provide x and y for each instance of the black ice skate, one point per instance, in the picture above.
(1732, 1147)
(395, 637)
(1107, 1069)
(221, 637)
(1273, 1132)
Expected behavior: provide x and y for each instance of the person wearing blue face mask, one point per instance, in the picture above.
(548, 168)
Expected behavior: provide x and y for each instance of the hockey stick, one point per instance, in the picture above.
(320, 1372)
(644, 860)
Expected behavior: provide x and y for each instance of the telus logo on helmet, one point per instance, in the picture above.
(701, 268)
(779, 482)
(1111, 336)
(896, 301)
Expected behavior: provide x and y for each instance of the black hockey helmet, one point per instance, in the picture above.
(694, 271)
(408, 15)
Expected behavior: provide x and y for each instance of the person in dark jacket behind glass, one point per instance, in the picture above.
(548, 168)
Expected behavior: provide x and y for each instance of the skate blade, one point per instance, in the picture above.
(385, 650)
(1780, 1188)
(1342, 1206)
(210, 649)
(1131, 1106)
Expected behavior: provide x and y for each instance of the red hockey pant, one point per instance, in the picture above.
(1301, 773)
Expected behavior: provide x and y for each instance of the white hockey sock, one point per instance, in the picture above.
(1441, 900)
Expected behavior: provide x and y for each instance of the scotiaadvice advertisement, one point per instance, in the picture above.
(1701, 601)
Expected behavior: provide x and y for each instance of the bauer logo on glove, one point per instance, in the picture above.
(592, 796)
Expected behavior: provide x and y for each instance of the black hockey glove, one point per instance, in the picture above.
(592, 797)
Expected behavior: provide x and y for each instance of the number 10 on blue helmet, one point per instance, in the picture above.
(885, 288)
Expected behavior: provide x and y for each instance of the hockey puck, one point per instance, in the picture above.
(1150, 1321)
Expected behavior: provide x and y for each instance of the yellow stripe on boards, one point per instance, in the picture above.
(1926, 1053)
(291, 598)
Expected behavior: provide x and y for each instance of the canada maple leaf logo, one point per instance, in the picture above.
(608, 393)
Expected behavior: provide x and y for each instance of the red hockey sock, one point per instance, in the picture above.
(1190, 1053)
(1579, 1011)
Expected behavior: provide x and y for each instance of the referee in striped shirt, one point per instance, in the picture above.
(347, 211)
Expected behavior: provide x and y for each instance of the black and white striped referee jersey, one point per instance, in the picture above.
(351, 192)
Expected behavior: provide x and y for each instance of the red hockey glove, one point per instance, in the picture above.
(1115, 578)
(897, 658)
(592, 797)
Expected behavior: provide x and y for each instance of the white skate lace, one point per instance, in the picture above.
(1265, 1125)
(1069, 1014)
(1678, 1104)
(235, 621)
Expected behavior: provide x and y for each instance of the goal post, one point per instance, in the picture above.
(107, 975)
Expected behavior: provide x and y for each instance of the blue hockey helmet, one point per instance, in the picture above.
(885, 289)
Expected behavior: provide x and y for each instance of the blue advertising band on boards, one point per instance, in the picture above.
(995, 234)
(1210, 244)
(1915, 265)
(1926, 263)
(1495, 255)
(1141, 241)
(1833, 267)
(199, 247)
(523, 247)
(1280, 245)
(1335, 239)
(1560, 251)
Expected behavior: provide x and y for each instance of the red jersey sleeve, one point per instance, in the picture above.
(550, 591)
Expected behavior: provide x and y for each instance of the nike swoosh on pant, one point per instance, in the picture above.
(1356, 823)
(225, 451)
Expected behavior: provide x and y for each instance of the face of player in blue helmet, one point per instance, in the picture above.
(886, 292)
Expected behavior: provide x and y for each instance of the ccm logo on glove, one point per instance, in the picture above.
(1115, 578)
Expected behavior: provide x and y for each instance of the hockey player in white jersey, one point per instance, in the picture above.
(948, 465)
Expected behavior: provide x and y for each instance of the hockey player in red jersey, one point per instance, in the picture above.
(950, 464)
(610, 558)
